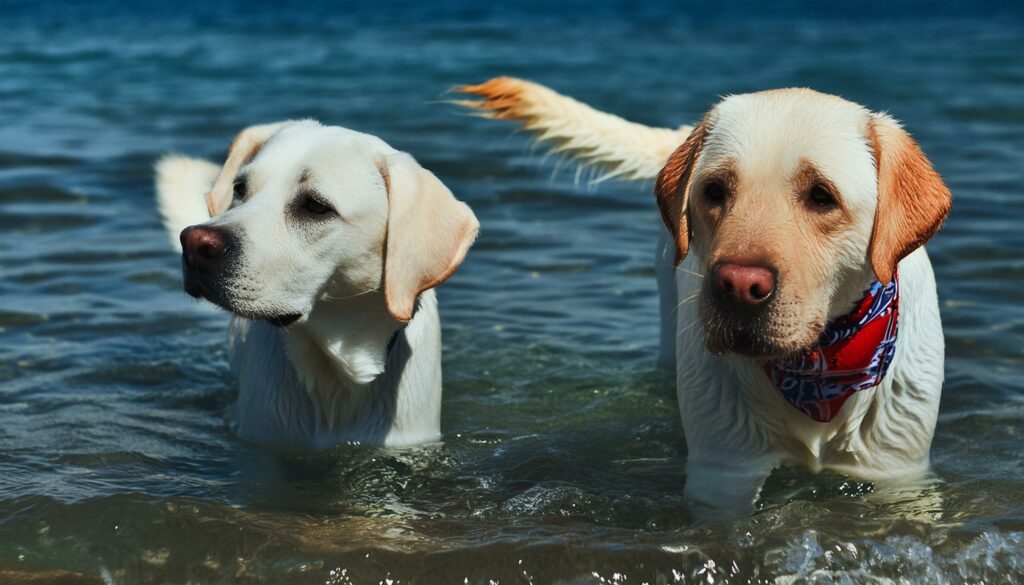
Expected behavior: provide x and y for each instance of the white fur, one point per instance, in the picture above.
(614, 147)
(347, 371)
(181, 186)
(737, 425)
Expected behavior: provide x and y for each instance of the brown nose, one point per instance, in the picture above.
(744, 284)
(202, 246)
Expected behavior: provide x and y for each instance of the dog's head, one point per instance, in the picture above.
(791, 201)
(304, 213)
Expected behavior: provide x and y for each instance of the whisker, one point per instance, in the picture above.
(365, 292)
(688, 299)
(676, 267)
(697, 274)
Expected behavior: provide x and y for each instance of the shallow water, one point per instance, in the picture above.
(562, 458)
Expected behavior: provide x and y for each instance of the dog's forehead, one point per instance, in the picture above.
(769, 135)
(308, 147)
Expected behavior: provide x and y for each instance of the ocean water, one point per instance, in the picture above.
(562, 459)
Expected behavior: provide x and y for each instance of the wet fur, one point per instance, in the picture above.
(363, 363)
(737, 426)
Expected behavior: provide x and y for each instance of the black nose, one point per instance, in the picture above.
(202, 246)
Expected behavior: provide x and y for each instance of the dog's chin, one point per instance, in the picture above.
(275, 318)
(739, 342)
(283, 320)
(753, 343)
(763, 335)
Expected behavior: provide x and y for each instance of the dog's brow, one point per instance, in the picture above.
(724, 172)
(808, 175)
(305, 175)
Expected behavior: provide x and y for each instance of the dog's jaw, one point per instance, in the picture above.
(284, 320)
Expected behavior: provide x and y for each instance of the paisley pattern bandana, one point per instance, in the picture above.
(853, 354)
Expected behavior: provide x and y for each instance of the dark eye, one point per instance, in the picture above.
(239, 190)
(714, 193)
(822, 198)
(316, 206)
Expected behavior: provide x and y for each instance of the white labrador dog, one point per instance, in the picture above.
(798, 219)
(326, 244)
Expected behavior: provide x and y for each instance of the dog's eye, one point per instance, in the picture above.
(822, 198)
(714, 193)
(239, 190)
(315, 206)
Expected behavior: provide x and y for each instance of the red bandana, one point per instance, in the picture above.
(853, 354)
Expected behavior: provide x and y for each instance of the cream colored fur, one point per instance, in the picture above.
(614, 147)
(362, 363)
(737, 425)
(179, 179)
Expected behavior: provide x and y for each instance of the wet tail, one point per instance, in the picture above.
(613, 147)
(181, 187)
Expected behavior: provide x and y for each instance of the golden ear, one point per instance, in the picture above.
(429, 232)
(242, 150)
(912, 199)
(672, 185)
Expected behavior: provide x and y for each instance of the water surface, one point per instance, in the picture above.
(563, 457)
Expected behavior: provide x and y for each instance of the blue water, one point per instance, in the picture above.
(562, 458)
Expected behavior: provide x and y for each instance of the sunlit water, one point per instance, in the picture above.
(562, 458)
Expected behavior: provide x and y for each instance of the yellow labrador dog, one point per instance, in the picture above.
(326, 244)
(798, 304)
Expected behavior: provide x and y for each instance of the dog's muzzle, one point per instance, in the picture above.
(206, 260)
(739, 299)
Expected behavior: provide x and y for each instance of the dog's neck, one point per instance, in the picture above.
(347, 373)
(341, 354)
(353, 334)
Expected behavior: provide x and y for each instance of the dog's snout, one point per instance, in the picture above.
(202, 246)
(743, 284)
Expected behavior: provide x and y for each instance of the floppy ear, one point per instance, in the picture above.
(912, 199)
(672, 185)
(428, 233)
(242, 150)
